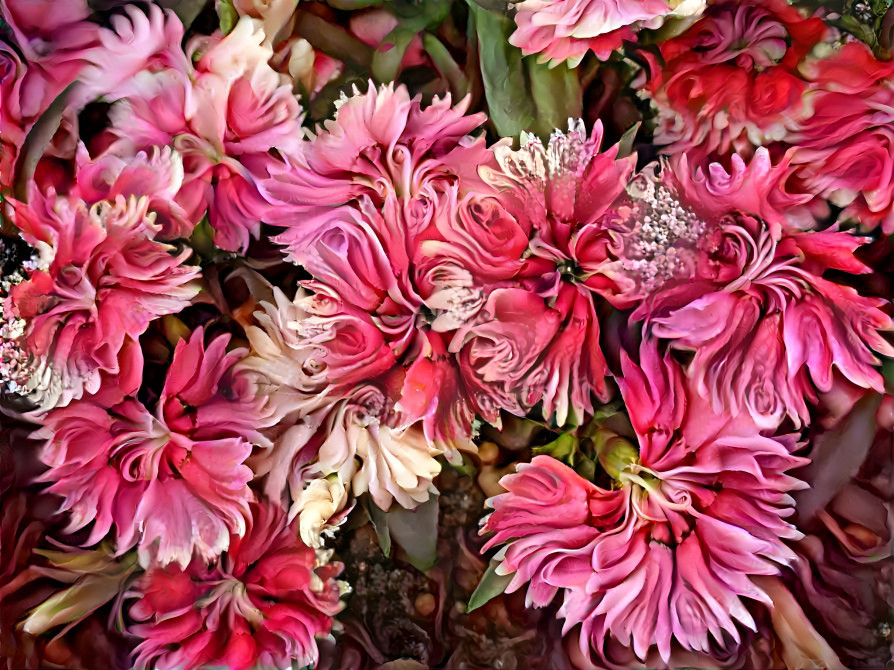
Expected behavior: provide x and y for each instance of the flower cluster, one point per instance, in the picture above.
(295, 293)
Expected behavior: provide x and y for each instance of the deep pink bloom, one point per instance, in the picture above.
(666, 555)
(260, 605)
(521, 350)
(101, 280)
(561, 30)
(730, 82)
(173, 484)
(844, 151)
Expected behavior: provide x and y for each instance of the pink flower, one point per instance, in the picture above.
(173, 484)
(261, 604)
(767, 334)
(102, 280)
(158, 175)
(562, 30)
(223, 117)
(730, 83)
(666, 555)
(498, 353)
(380, 143)
(849, 135)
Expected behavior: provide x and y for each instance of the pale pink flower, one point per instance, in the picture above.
(260, 605)
(101, 281)
(561, 30)
(158, 175)
(315, 361)
(666, 555)
(224, 116)
(173, 484)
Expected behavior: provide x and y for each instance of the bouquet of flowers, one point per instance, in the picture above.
(405, 334)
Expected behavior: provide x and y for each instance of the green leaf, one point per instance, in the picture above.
(490, 586)
(511, 108)
(37, 141)
(227, 14)
(387, 58)
(186, 10)
(521, 94)
(416, 532)
(453, 73)
(379, 519)
(556, 93)
(625, 144)
(564, 448)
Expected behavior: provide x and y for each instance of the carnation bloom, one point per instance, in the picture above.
(380, 143)
(359, 202)
(565, 30)
(524, 345)
(101, 279)
(844, 151)
(665, 556)
(223, 116)
(173, 484)
(312, 363)
(746, 297)
(260, 605)
(730, 82)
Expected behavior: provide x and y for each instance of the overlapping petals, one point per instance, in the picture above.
(261, 605)
(101, 280)
(664, 558)
(173, 484)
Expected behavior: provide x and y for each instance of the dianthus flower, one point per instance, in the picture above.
(747, 297)
(223, 116)
(336, 423)
(359, 203)
(260, 605)
(173, 484)
(730, 82)
(524, 346)
(565, 30)
(666, 555)
(843, 151)
(101, 278)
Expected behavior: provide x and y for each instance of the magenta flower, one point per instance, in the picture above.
(664, 557)
(101, 280)
(260, 605)
(173, 484)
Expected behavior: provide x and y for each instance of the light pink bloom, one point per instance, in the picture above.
(561, 30)
(102, 280)
(223, 117)
(260, 605)
(173, 484)
(666, 555)
(380, 143)
(158, 175)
